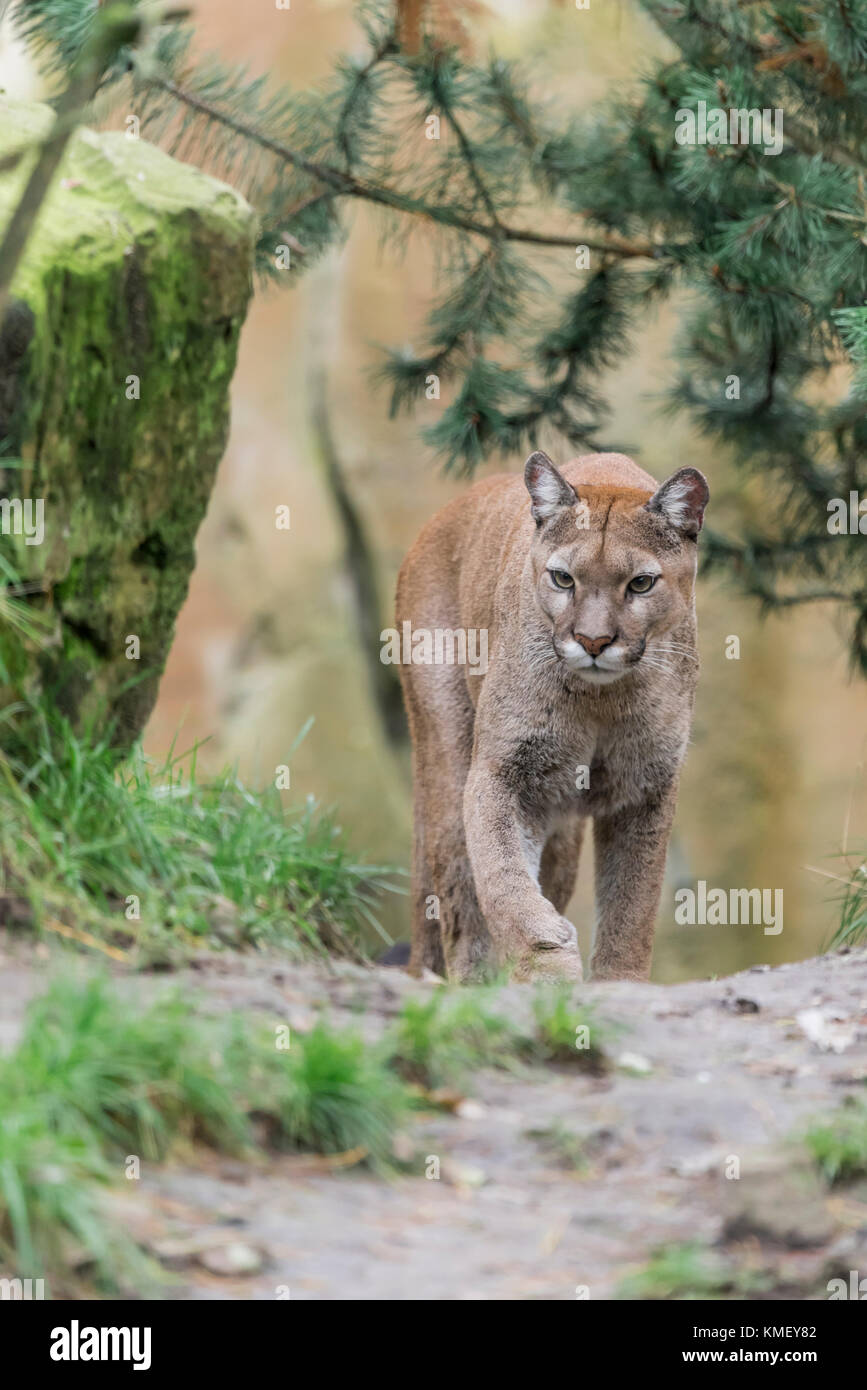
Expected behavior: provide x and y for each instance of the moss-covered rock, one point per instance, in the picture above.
(116, 354)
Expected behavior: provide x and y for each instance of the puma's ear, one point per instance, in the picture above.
(548, 489)
(681, 499)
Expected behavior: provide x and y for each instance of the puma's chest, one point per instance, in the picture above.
(590, 771)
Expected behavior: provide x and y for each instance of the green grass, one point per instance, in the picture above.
(94, 1080)
(113, 1076)
(440, 1040)
(90, 1082)
(564, 1146)
(330, 1093)
(567, 1032)
(83, 831)
(838, 1143)
(15, 612)
(50, 1207)
(852, 927)
(690, 1271)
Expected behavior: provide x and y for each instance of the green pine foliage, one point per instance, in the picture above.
(853, 327)
(770, 248)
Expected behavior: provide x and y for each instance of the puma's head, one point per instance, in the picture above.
(613, 568)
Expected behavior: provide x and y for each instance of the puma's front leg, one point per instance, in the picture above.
(630, 848)
(527, 931)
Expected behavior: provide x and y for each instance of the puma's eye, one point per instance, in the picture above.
(642, 583)
(562, 579)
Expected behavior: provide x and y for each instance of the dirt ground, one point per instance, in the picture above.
(710, 1078)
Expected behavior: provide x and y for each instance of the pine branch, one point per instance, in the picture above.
(343, 184)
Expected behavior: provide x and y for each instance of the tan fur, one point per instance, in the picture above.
(498, 817)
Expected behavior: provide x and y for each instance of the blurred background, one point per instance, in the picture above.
(268, 637)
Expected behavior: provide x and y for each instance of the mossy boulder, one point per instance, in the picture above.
(116, 353)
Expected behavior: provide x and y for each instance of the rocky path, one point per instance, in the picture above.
(710, 1078)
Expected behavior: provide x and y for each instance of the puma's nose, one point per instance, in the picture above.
(593, 645)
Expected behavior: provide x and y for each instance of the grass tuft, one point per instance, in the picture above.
(852, 927)
(838, 1144)
(330, 1092)
(132, 1081)
(567, 1032)
(441, 1039)
(50, 1208)
(564, 1146)
(155, 859)
(690, 1271)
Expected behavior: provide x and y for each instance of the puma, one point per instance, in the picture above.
(583, 712)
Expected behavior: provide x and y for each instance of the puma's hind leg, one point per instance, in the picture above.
(559, 866)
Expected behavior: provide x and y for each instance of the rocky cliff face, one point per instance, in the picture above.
(116, 354)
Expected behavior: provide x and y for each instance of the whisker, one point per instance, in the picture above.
(656, 665)
(675, 651)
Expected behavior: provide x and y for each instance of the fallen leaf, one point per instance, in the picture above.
(231, 1259)
(828, 1031)
(470, 1110)
(462, 1175)
(634, 1062)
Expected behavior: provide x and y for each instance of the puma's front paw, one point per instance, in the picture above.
(550, 954)
(550, 965)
